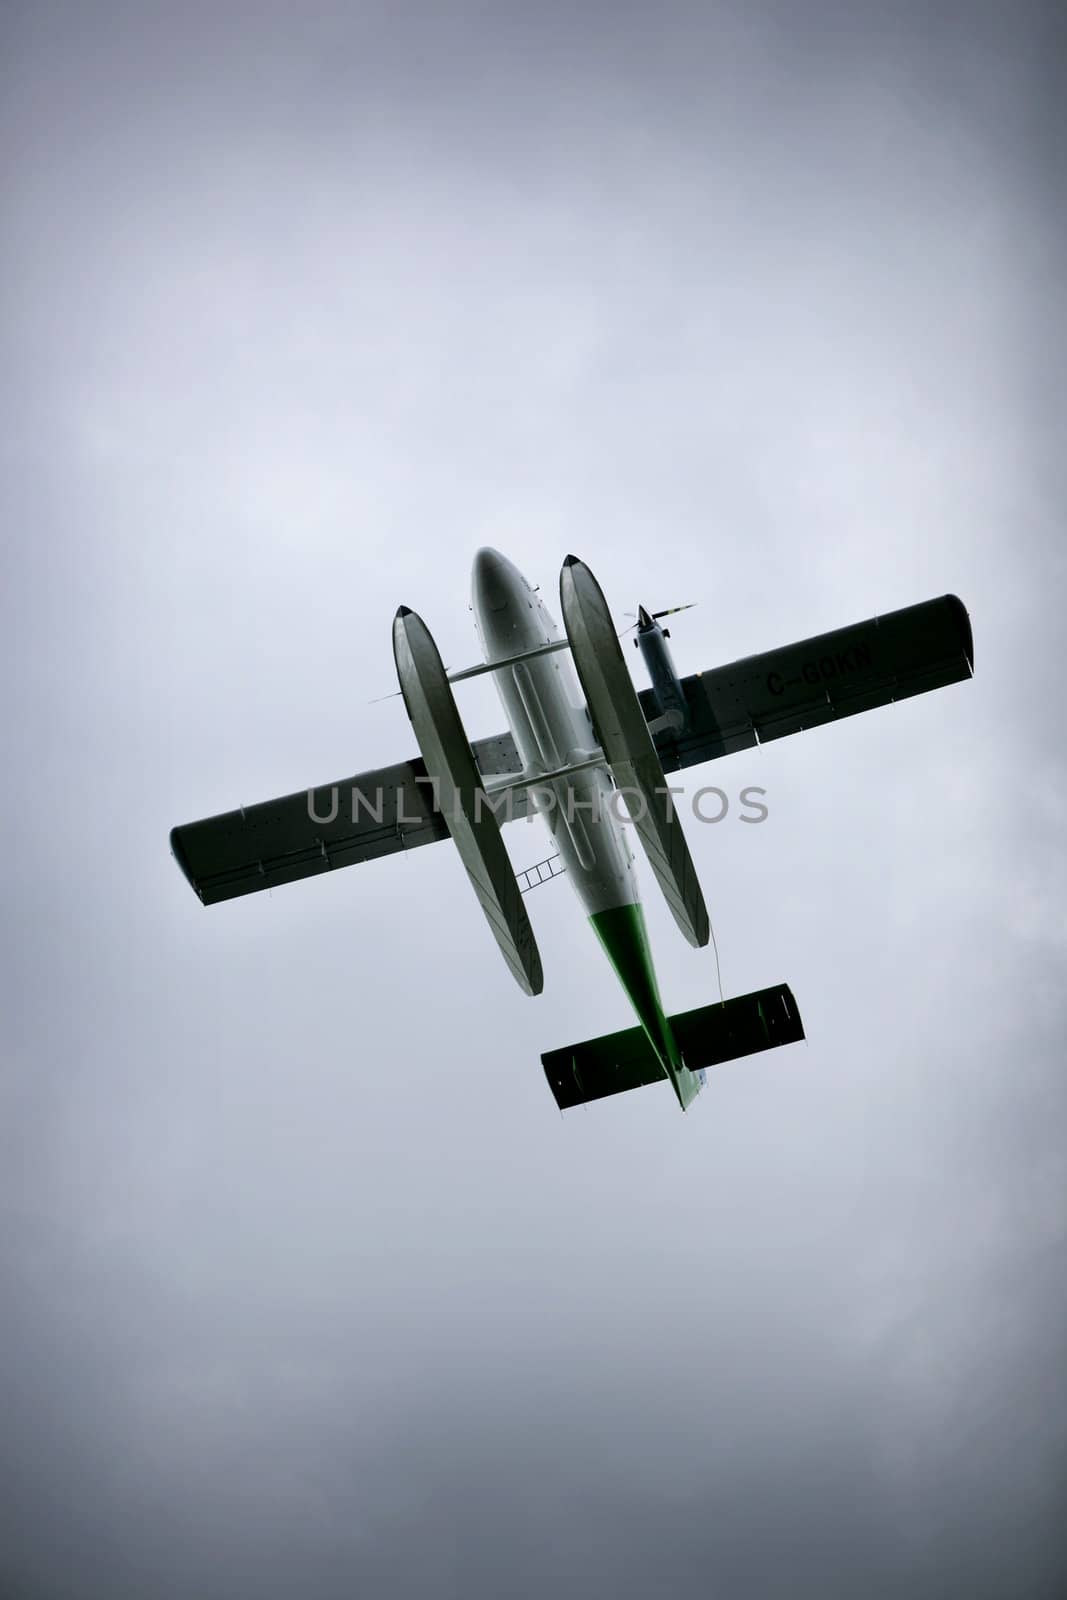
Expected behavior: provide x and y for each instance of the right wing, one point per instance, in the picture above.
(372, 814)
(818, 680)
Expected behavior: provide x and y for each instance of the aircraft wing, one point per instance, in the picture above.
(818, 680)
(730, 708)
(375, 813)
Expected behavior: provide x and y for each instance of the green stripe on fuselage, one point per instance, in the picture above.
(624, 936)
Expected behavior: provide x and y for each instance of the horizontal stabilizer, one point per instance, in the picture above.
(599, 1067)
(707, 1036)
(739, 1027)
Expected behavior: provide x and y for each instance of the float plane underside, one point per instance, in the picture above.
(581, 739)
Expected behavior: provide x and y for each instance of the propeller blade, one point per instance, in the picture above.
(668, 613)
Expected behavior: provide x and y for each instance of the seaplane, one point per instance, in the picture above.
(590, 753)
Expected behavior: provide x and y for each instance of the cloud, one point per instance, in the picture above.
(309, 1288)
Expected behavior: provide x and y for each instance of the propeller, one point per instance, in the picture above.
(668, 613)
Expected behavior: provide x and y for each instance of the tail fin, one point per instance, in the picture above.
(597, 1067)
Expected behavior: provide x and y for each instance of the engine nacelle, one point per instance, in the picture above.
(651, 640)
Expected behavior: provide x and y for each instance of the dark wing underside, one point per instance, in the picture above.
(300, 835)
(763, 1020)
(763, 697)
(819, 680)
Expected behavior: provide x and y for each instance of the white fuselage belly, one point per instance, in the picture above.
(551, 728)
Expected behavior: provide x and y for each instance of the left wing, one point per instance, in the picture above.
(375, 813)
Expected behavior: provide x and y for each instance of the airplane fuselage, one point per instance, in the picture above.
(551, 728)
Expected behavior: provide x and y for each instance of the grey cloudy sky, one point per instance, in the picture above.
(306, 1286)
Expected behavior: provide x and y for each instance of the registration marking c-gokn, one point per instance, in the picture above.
(823, 668)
